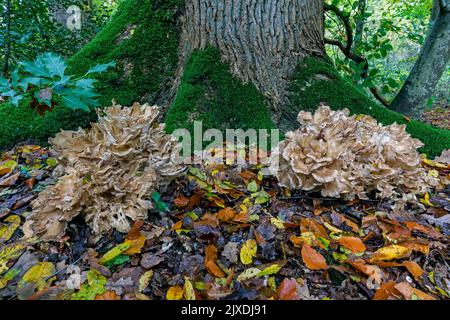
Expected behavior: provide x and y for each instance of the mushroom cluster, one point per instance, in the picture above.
(350, 157)
(110, 171)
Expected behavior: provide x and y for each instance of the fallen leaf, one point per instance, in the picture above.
(386, 291)
(188, 288)
(39, 276)
(226, 214)
(174, 293)
(277, 222)
(311, 225)
(414, 269)
(418, 246)
(108, 295)
(94, 286)
(144, 280)
(248, 251)
(390, 252)
(114, 252)
(10, 181)
(210, 262)
(410, 293)
(6, 231)
(7, 167)
(231, 251)
(181, 202)
(352, 243)
(287, 290)
(10, 252)
(313, 259)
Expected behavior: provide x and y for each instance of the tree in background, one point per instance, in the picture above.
(29, 28)
(429, 67)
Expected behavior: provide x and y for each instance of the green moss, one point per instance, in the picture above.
(209, 93)
(24, 124)
(142, 37)
(316, 81)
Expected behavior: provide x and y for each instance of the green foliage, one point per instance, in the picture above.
(28, 28)
(209, 93)
(24, 124)
(143, 38)
(45, 81)
(325, 85)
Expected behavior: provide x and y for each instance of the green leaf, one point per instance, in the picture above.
(74, 103)
(101, 67)
(36, 69)
(85, 83)
(54, 64)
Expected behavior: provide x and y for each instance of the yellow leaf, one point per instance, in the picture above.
(331, 228)
(7, 167)
(434, 164)
(277, 222)
(114, 252)
(248, 274)
(9, 252)
(144, 280)
(189, 293)
(11, 274)
(433, 173)
(426, 200)
(135, 245)
(39, 275)
(390, 252)
(7, 231)
(273, 269)
(248, 251)
(174, 293)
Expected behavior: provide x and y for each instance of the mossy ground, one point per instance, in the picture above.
(209, 93)
(316, 81)
(142, 37)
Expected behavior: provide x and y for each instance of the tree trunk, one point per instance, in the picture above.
(262, 40)
(360, 23)
(429, 67)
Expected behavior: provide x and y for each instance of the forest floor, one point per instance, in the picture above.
(224, 232)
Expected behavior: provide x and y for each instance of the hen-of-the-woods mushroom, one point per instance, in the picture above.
(349, 156)
(110, 171)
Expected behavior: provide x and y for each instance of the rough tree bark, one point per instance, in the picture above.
(262, 40)
(429, 67)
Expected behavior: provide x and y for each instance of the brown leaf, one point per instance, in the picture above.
(135, 231)
(414, 226)
(353, 243)
(30, 182)
(387, 290)
(181, 202)
(313, 259)
(419, 246)
(10, 181)
(409, 292)
(226, 214)
(414, 269)
(210, 262)
(108, 295)
(287, 290)
(311, 225)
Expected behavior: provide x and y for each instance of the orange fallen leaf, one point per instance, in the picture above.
(352, 243)
(181, 202)
(372, 271)
(287, 290)
(414, 269)
(427, 230)
(177, 226)
(136, 245)
(387, 290)
(419, 246)
(311, 225)
(210, 262)
(108, 295)
(313, 259)
(226, 214)
(30, 182)
(410, 293)
(135, 231)
(175, 293)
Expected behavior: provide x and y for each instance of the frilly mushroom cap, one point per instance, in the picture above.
(111, 171)
(348, 156)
